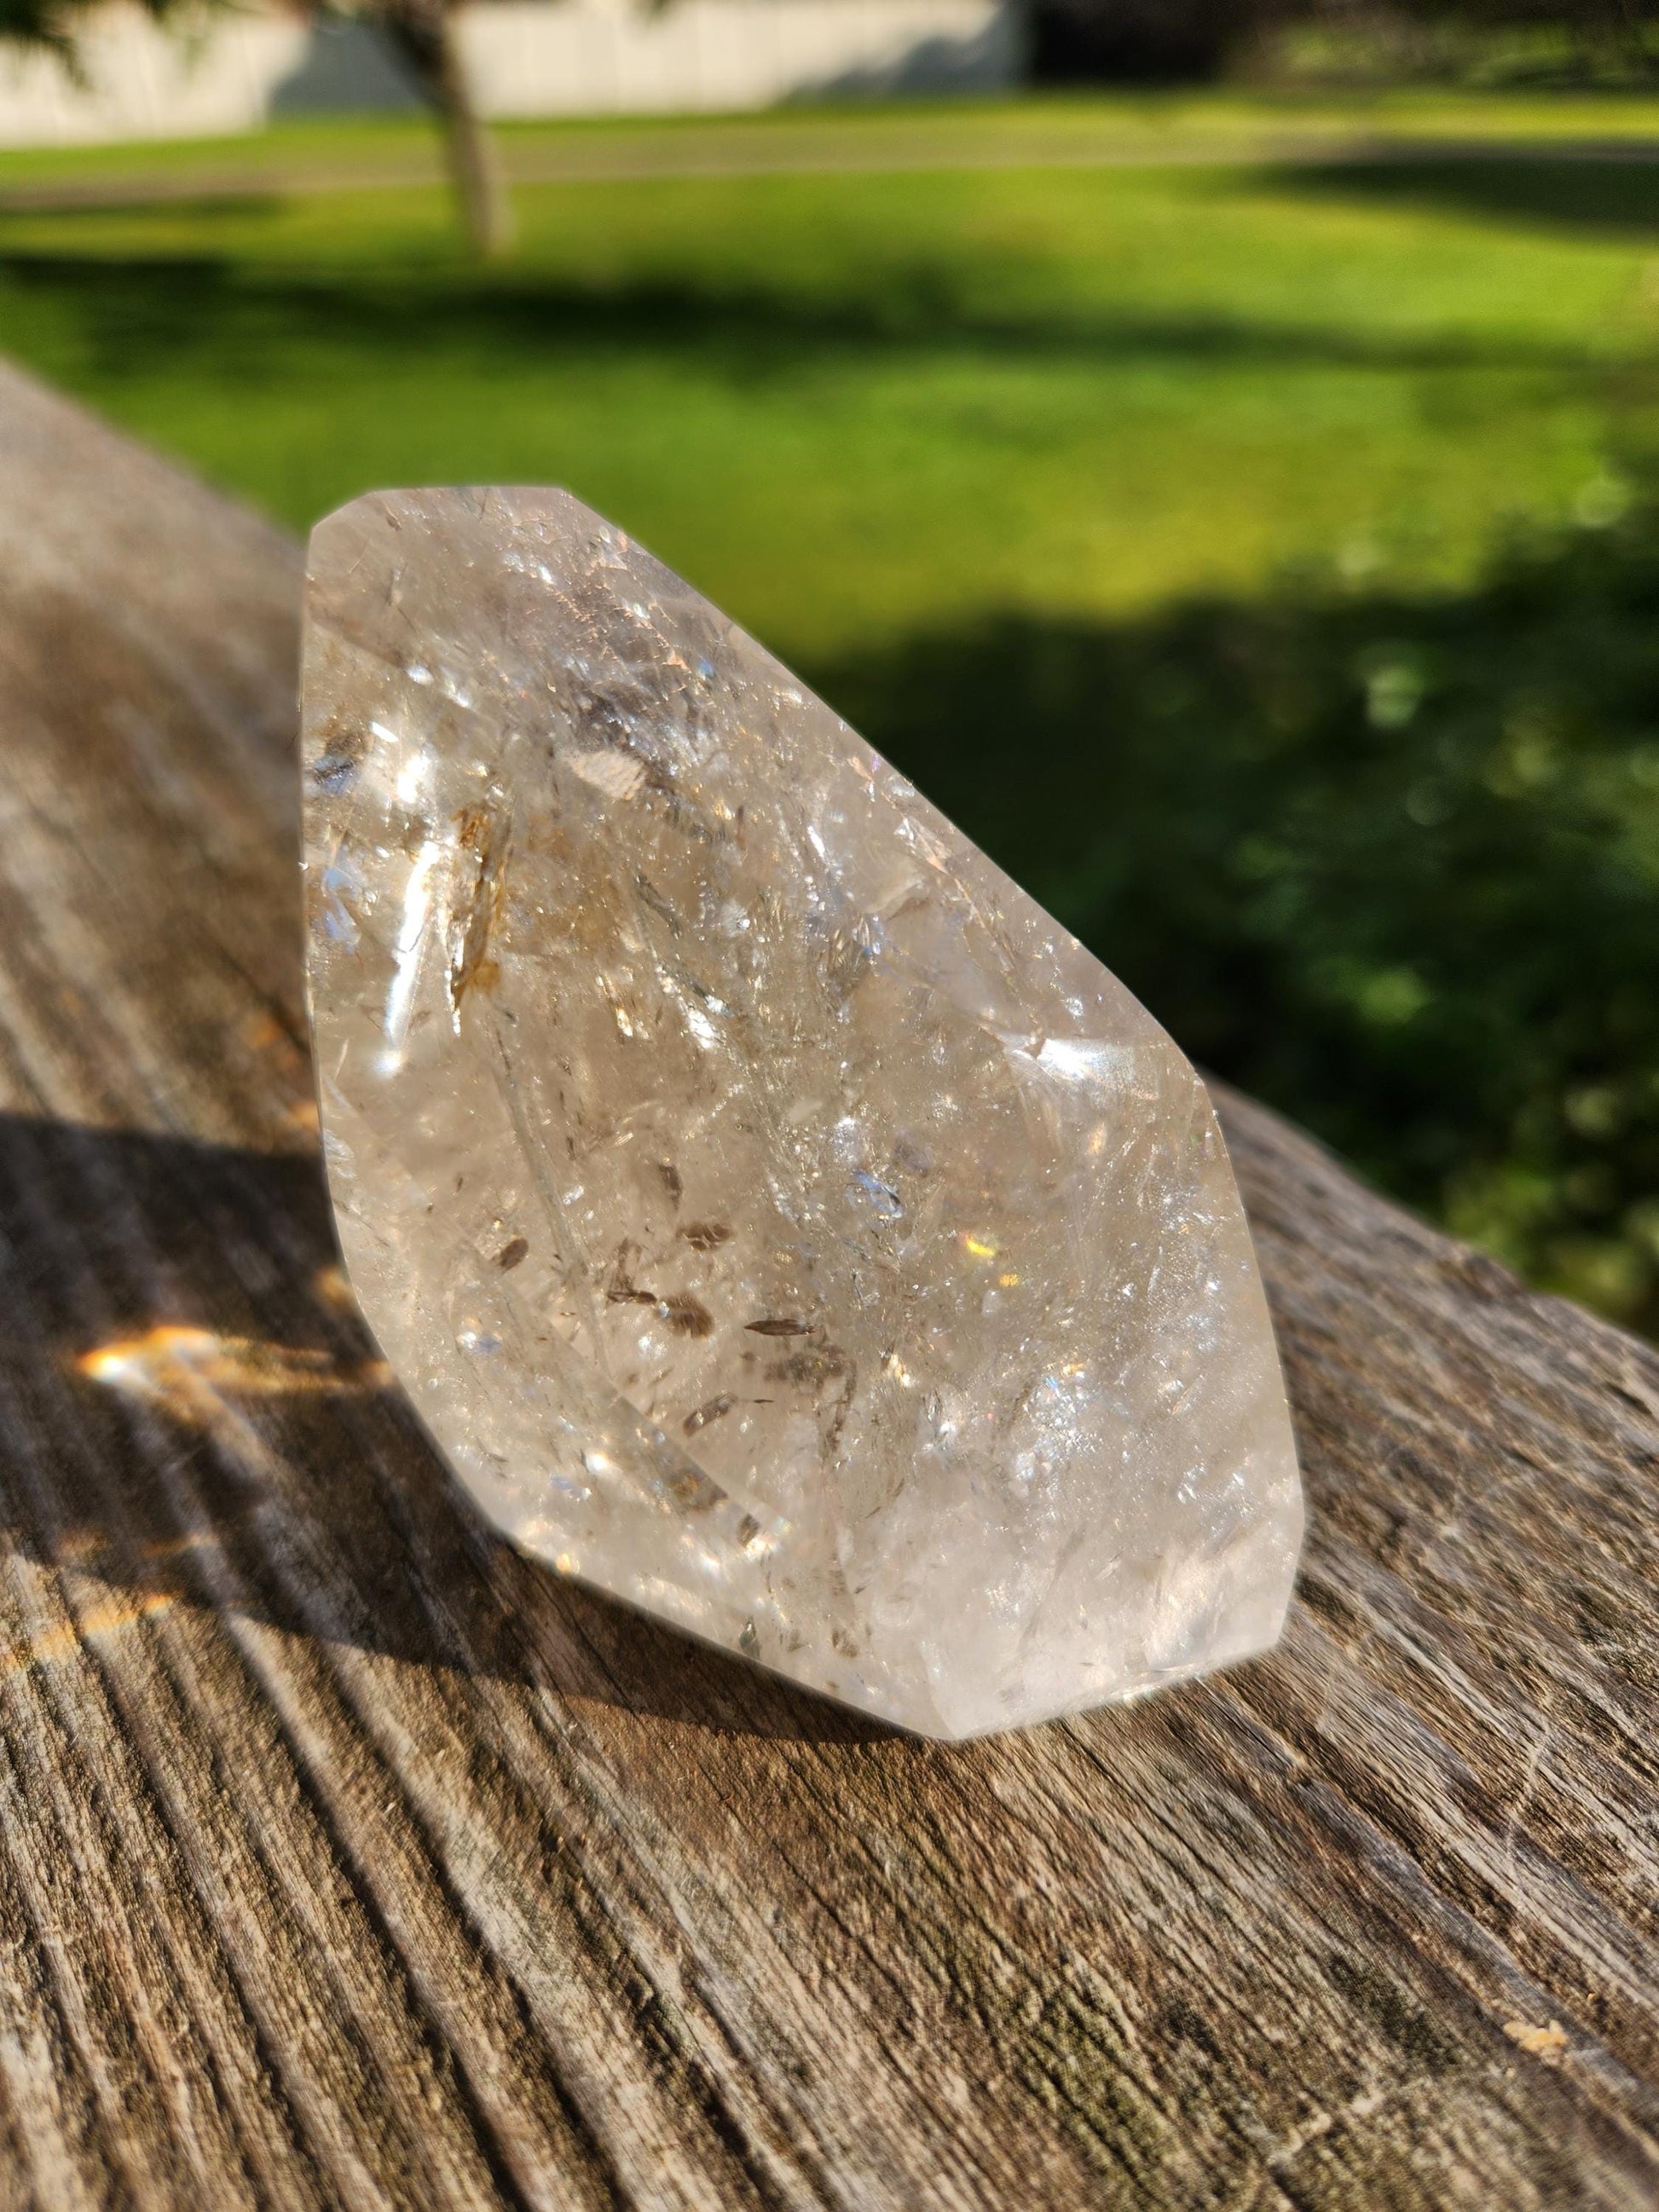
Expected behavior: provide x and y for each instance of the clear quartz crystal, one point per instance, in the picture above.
(776, 1218)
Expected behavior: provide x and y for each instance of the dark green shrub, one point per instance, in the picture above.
(1389, 863)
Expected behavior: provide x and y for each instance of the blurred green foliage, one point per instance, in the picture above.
(1390, 862)
(55, 26)
(1254, 558)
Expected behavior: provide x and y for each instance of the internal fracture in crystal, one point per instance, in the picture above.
(775, 1217)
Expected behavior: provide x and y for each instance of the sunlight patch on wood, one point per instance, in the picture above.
(55, 1644)
(189, 1372)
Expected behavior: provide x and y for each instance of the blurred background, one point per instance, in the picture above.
(1210, 445)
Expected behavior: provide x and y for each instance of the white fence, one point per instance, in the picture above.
(528, 58)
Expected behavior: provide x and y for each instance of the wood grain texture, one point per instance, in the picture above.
(348, 1858)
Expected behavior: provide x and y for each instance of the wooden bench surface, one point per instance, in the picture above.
(348, 1858)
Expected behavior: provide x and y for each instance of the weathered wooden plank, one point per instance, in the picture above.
(348, 1857)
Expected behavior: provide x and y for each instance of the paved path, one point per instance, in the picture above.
(790, 149)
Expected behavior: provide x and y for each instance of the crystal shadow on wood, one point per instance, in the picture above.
(220, 1436)
(776, 1218)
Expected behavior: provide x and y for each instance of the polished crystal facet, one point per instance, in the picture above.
(776, 1218)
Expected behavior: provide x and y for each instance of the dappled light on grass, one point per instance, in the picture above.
(849, 407)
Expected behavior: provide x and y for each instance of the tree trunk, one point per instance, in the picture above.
(424, 33)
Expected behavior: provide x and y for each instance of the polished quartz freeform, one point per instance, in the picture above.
(775, 1217)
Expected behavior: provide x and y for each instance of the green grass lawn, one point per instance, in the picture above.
(848, 404)
(1149, 475)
